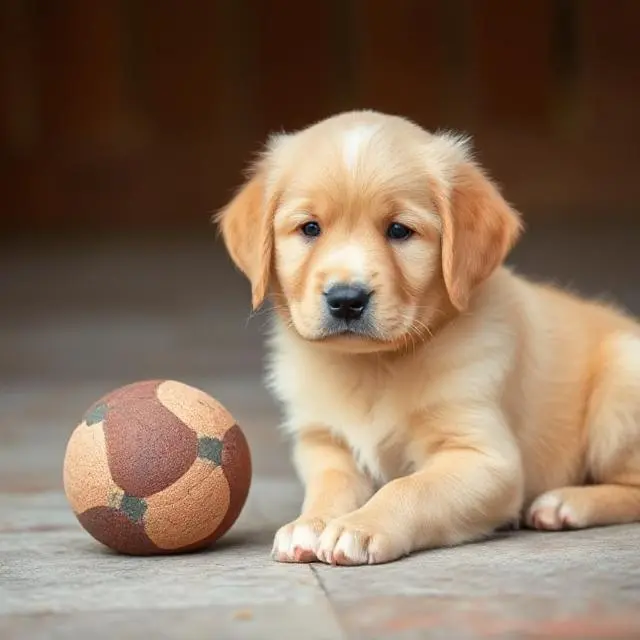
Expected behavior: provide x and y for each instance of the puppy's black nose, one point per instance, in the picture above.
(346, 301)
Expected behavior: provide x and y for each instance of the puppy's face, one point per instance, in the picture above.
(356, 258)
(366, 229)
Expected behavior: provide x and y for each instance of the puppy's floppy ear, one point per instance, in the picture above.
(479, 229)
(246, 226)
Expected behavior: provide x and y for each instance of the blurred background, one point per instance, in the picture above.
(125, 124)
(136, 114)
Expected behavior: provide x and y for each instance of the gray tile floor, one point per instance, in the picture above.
(80, 318)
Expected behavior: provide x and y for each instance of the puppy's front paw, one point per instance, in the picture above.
(298, 540)
(354, 540)
(553, 511)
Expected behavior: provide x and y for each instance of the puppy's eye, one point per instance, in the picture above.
(397, 231)
(310, 229)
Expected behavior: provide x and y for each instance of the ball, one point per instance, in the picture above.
(157, 467)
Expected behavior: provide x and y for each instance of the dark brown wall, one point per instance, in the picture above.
(143, 112)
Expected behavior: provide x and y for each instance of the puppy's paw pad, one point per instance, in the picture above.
(550, 512)
(297, 541)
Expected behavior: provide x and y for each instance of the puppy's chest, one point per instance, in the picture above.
(378, 440)
(368, 411)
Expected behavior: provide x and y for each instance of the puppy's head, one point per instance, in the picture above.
(365, 229)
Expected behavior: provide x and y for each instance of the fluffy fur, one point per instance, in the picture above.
(469, 396)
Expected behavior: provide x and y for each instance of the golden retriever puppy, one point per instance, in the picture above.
(432, 394)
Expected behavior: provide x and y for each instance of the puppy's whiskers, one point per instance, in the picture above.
(265, 311)
(421, 325)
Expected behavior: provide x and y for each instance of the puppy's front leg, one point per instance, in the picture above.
(470, 485)
(333, 487)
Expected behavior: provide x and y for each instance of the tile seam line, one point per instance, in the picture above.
(327, 595)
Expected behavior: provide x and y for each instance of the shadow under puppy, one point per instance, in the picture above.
(432, 394)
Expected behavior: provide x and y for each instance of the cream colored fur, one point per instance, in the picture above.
(485, 398)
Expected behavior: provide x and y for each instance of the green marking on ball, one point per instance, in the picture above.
(210, 449)
(134, 508)
(96, 415)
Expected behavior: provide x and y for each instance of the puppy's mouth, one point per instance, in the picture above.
(355, 329)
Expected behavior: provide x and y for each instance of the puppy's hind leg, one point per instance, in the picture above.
(613, 450)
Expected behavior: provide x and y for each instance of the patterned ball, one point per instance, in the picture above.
(157, 467)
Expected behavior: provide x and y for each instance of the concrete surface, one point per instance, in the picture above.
(78, 319)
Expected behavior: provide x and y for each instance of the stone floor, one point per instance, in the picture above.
(80, 318)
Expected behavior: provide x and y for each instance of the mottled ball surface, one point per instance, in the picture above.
(157, 467)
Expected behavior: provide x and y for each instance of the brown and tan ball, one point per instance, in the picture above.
(157, 467)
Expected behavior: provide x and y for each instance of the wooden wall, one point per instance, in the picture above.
(132, 113)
